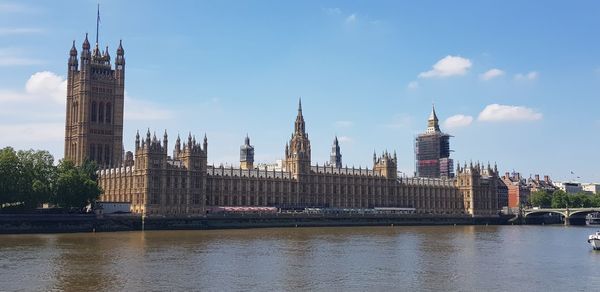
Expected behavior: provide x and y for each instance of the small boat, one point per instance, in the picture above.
(593, 219)
(594, 240)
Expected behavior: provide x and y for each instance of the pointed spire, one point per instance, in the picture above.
(299, 125)
(97, 25)
(86, 43)
(433, 122)
(247, 140)
(120, 50)
(73, 51)
(106, 54)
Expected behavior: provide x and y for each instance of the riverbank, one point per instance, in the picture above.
(68, 223)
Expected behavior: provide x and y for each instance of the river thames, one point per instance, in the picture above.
(457, 258)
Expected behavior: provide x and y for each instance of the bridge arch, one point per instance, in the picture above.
(544, 211)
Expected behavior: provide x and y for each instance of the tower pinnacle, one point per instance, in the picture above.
(433, 122)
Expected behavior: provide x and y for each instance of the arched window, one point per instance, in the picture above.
(94, 111)
(99, 153)
(101, 113)
(106, 154)
(108, 112)
(75, 112)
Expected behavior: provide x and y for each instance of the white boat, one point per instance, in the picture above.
(593, 219)
(594, 240)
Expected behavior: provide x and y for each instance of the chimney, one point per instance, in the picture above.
(537, 177)
(546, 178)
(507, 175)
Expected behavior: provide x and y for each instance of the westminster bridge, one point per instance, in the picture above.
(568, 215)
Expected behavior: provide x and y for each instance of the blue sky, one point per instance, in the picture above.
(515, 82)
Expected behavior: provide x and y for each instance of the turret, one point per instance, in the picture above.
(177, 150)
(247, 154)
(165, 141)
(85, 52)
(137, 140)
(299, 153)
(335, 158)
(385, 166)
(73, 58)
(205, 145)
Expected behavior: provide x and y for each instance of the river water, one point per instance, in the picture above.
(456, 258)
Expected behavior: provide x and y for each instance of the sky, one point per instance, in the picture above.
(514, 82)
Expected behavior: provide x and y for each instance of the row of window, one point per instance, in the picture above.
(100, 153)
(101, 113)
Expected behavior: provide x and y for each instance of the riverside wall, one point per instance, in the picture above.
(54, 223)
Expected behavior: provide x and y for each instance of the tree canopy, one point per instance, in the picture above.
(30, 178)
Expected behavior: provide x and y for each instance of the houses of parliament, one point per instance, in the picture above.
(181, 183)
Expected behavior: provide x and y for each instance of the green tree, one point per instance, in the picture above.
(11, 184)
(75, 186)
(596, 200)
(540, 198)
(37, 175)
(560, 199)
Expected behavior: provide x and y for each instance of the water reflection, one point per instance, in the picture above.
(466, 258)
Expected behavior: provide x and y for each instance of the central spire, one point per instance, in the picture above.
(299, 125)
(433, 122)
(97, 24)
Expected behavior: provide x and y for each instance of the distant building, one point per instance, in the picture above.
(432, 151)
(518, 192)
(335, 158)
(502, 194)
(569, 187)
(593, 188)
(536, 184)
(247, 155)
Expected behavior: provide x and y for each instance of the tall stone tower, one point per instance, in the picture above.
(432, 151)
(335, 158)
(95, 91)
(247, 154)
(297, 152)
(386, 165)
(479, 188)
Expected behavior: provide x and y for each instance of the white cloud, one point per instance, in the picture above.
(412, 85)
(351, 18)
(47, 83)
(4, 31)
(32, 132)
(457, 121)
(12, 57)
(499, 113)
(344, 124)
(491, 74)
(533, 75)
(448, 66)
(41, 88)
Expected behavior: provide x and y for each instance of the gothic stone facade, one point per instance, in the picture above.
(94, 120)
(184, 185)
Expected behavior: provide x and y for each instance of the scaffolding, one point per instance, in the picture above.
(432, 156)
